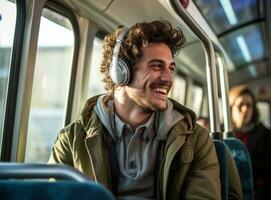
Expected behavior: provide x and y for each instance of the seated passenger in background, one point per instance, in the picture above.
(134, 140)
(257, 138)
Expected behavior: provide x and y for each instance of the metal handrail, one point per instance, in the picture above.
(224, 88)
(210, 67)
(40, 171)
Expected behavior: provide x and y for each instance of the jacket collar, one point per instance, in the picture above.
(187, 124)
(189, 115)
(88, 118)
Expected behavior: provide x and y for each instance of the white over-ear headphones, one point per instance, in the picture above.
(120, 70)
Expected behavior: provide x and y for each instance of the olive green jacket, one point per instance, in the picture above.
(188, 169)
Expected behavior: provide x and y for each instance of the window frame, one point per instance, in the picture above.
(64, 11)
(17, 135)
(13, 81)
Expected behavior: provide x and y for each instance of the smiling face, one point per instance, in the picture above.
(153, 78)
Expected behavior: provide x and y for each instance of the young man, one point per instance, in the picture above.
(134, 140)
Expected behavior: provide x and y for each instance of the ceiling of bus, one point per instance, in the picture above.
(240, 27)
(108, 14)
(243, 30)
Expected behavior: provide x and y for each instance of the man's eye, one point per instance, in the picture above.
(156, 66)
(172, 69)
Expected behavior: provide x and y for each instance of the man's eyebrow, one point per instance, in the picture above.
(160, 61)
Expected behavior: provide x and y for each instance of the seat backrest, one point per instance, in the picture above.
(222, 159)
(72, 184)
(244, 165)
(61, 190)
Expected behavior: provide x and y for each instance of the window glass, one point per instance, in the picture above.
(226, 14)
(258, 69)
(7, 29)
(178, 89)
(205, 106)
(245, 44)
(50, 85)
(195, 99)
(96, 86)
(220, 108)
(264, 111)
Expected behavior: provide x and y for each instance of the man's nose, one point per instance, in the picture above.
(167, 75)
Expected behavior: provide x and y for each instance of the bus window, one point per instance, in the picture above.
(264, 111)
(7, 28)
(50, 85)
(96, 86)
(204, 108)
(178, 89)
(195, 99)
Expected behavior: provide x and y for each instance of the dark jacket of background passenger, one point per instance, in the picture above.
(259, 147)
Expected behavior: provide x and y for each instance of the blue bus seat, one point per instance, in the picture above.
(69, 183)
(235, 188)
(60, 190)
(244, 166)
(222, 159)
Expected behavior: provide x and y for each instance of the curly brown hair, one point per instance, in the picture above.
(138, 36)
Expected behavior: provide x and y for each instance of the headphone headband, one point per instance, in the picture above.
(120, 71)
(117, 46)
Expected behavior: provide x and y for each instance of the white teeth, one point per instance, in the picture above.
(161, 90)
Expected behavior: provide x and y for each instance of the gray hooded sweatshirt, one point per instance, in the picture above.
(137, 149)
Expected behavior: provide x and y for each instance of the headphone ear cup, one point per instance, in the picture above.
(121, 72)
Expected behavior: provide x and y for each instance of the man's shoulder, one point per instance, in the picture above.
(181, 128)
(72, 129)
(88, 107)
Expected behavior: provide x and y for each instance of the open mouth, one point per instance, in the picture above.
(161, 91)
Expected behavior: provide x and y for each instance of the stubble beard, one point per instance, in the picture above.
(153, 107)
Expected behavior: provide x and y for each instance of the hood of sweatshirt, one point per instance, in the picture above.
(163, 121)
